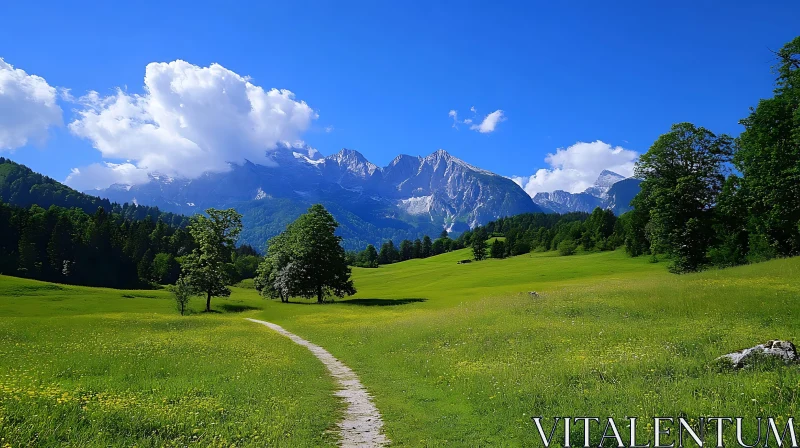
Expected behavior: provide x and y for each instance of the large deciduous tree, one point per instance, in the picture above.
(683, 174)
(768, 156)
(206, 269)
(306, 260)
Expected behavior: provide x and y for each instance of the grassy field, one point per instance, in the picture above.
(454, 354)
(100, 367)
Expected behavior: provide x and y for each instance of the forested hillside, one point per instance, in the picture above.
(100, 249)
(21, 186)
(49, 231)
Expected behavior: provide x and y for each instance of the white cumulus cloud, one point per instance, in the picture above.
(188, 121)
(489, 123)
(574, 169)
(28, 108)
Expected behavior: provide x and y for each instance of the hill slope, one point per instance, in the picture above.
(22, 187)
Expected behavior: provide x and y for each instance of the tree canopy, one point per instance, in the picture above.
(768, 158)
(683, 173)
(307, 260)
(206, 269)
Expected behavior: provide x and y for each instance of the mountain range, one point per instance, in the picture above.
(411, 197)
(610, 191)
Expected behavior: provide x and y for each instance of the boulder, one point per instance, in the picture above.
(783, 350)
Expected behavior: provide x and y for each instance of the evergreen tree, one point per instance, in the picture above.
(426, 247)
(405, 250)
(371, 256)
(479, 245)
(498, 249)
(388, 254)
(437, 247)
(145, 267)
(416, 251)
(60, 248)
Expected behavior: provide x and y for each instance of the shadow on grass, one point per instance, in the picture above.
(358, 302)
(380, 302)
(236, 308)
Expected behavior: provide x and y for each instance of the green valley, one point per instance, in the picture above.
(453, 354)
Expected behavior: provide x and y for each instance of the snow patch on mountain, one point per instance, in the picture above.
(416, 205)
(412, 195)
(305, 158)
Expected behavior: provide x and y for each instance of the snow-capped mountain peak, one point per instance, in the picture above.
(353, 162)
(409, 197)
(607, 179)
(603, 183)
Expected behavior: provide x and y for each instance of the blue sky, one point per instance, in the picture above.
(385, 75)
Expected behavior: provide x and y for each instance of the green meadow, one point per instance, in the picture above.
(453, 354)
(101, 367)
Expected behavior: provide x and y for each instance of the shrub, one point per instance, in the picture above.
(567, 247)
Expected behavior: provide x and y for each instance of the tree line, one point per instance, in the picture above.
(101, 249)
(712, 200)
(540, 232)
(390, 253)
(51, 232)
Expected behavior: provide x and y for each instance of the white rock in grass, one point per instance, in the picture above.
(784, 350)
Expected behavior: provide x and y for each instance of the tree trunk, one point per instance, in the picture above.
(319, 293)
(208, 302)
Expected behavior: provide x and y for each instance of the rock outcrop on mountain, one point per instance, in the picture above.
(410, 197)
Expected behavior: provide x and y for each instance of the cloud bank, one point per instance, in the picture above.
(28, 108)
(188, 121)
(574, 169)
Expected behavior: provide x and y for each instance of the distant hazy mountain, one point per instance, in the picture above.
(560, 201)
(410, 197)
(610, 191)
(620, 195)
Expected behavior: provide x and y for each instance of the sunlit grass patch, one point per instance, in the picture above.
(607, 336)
(152, 378)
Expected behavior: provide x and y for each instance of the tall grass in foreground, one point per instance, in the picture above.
(95, 367)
